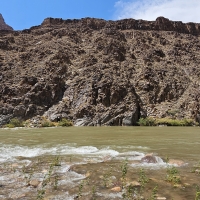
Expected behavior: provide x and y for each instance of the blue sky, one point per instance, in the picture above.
(21, 14)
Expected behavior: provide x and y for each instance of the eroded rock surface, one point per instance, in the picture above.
(97, 72)
(3, 25)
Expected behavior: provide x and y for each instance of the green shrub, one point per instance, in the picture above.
(65, 122)
(47, 123)
(174, 122)
(172, 112)
(173, 176)
(15, 123)
(188, 122)
(149, 121)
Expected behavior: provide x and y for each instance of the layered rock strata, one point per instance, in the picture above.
(97, 72)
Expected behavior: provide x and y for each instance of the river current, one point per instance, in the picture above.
(80, 146)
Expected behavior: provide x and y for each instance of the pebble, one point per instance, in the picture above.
(34, 183)
(116, 189)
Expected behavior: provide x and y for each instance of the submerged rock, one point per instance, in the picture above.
(149, 158)
(34, 183)
(176, 162)
(116, 189)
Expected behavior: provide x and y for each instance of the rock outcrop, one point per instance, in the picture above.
(97, 72)
(3, 25)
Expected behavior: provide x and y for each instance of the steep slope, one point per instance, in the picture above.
(94, 71)
(3, 25)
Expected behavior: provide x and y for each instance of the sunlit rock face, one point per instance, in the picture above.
(98, 72)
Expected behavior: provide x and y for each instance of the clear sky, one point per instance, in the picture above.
(21, 14)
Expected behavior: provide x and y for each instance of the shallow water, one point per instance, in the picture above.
(98, 146)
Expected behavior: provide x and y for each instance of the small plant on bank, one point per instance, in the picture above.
(173, 176)
(172, 112)
(196, 168)
(143, 179)
(107, 178)
(56, 161)
(197, 196)
(80, 189)
(124, 169)
(93, 192)
(28, 177)
(55, 183)
(149, 121)
(154, 194)
(40, 194)
(47, 123)
(128, 194)
(65, 122)
(174, 122)
(15, 122)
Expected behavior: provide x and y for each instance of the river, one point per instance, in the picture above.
(88, 153)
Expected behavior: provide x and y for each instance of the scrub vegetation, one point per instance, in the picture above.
(149, 121)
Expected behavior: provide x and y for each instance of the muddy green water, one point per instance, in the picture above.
(174, 142)
(83, 145)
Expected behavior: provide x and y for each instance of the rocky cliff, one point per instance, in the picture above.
(3, 25)
(98, 72)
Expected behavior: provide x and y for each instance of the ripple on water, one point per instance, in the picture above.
(110, 195)
(10, 152)
(71, 179)
(64, 196)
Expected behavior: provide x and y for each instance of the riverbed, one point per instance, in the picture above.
(88, 162)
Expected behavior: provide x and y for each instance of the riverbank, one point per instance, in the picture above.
(41, 121)
(57, 177)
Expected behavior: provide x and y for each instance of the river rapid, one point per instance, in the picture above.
(88, 162)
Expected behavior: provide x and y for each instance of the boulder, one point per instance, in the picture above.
(116, 189)
(34, 183)
(149, 158)
(131, 118)
(176, 162)
(4, 119)
(82, 122)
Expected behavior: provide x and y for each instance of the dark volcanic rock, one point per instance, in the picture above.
(3, 25)
(98, 72)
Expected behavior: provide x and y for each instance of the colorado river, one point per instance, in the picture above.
(84, 150)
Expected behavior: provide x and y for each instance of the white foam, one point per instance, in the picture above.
(110, 195)
(106, 151)
(64, 196)
(10, 153)
(132, 147)
(72, 179)
(159, 164)
(73, 176)
(133, 154)
(77, 150)
(63, 169)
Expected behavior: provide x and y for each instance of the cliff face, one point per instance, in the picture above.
(94, 71)
(3, 25)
